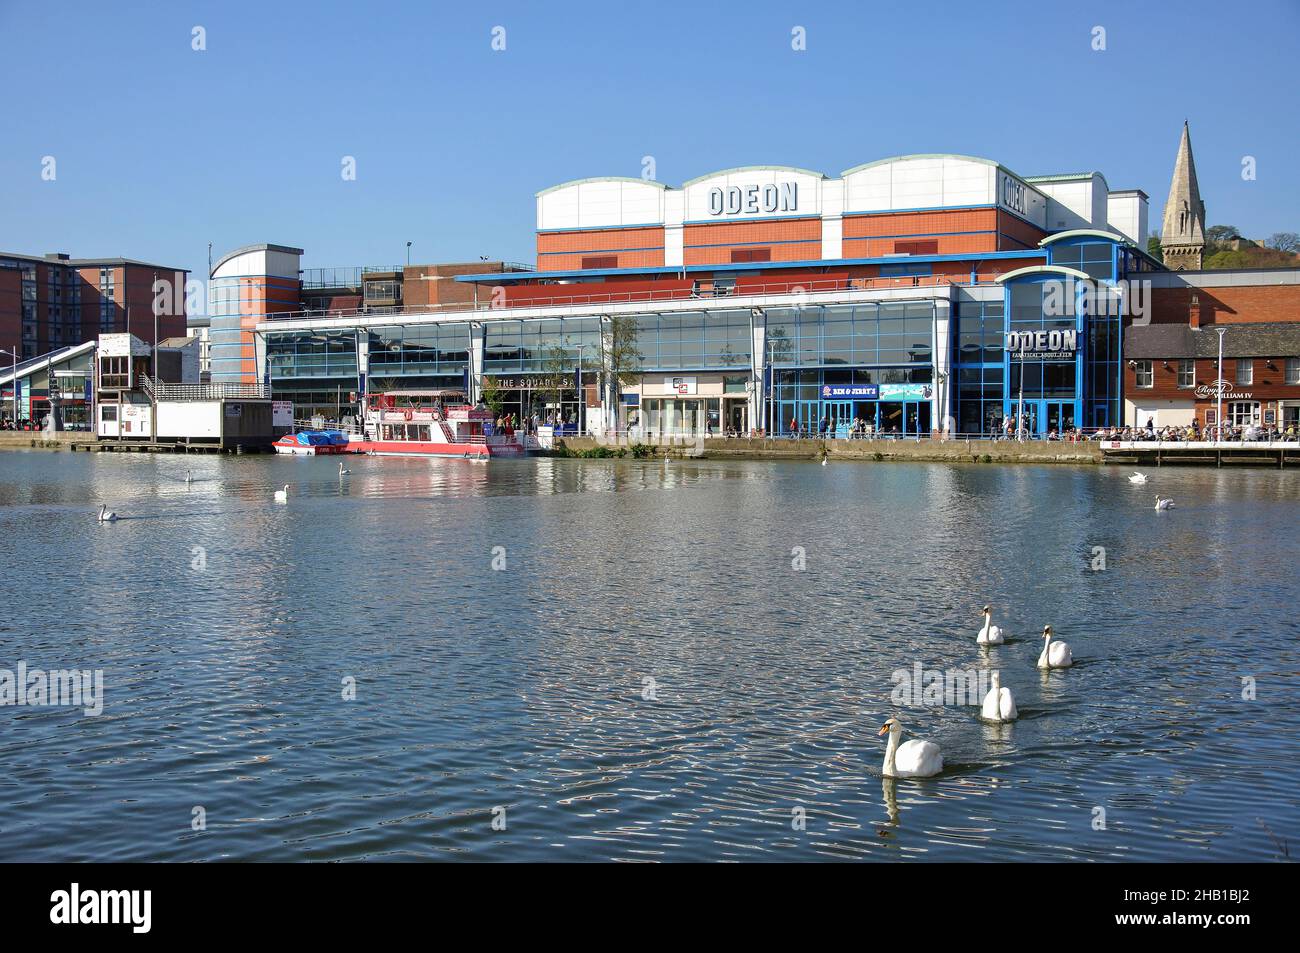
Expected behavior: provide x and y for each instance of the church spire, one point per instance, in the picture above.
(1182, 238)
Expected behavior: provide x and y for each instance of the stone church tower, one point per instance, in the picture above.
(1182, 239)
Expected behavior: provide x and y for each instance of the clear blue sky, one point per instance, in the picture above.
(161, 149)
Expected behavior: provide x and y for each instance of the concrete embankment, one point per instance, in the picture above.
(38, 440)
(939, 451)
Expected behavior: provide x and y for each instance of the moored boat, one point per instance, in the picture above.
(432, 423)
(311, 443)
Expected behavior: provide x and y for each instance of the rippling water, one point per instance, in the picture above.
(525, 689)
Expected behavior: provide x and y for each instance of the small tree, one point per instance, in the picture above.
(557, 364)
(622, 353)
(1154, 248)
(492, 395)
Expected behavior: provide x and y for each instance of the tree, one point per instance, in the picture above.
(1154, 248)
(490, 393)
(557, 364)
(621, 352)
(1283, 241)
(1221, 233)
(1250, 257)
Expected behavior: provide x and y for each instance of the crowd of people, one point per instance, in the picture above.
(1195, 432)
(1006, 429)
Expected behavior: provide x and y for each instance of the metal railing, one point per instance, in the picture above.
(787, 287)
(164, 391)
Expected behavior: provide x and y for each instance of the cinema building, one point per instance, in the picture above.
(917, 293)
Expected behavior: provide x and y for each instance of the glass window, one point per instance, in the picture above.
(1293, 370)
(1243, 413)
(1245, 371)
(1142, 374)
(1187, 372)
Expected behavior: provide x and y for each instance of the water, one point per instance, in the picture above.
(524, 688)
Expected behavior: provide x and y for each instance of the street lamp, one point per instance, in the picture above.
(578, 387)
(408, 254)
(1218, 387)
(13, 381)
(1020, 410)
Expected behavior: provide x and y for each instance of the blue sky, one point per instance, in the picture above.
(161, 149)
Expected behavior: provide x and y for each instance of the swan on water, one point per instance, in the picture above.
(343, 471)
(105, 514)
(990, 634)
(1137, 477)
(1164, 502)
(911, 759)
(999, 703)
(189, 476)
(823, 461)
(282, 496)
(1055, 654)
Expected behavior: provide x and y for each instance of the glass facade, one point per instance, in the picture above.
(978, 336)
(441, 349)
(1077, 387)
(547, 345)
(835, 366)
(845, 366)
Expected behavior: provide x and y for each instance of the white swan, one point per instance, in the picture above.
(823, 461)
(1164, 502)
(189, 476)
(343, 471)
(1055, 654)
(999, 703)
(105, 514)
(1137, 477)
(912, 759)
(990, 634)
(282, 496)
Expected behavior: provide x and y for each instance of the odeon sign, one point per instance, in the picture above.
(1014, 194)
(754, 199)
(1058, 345)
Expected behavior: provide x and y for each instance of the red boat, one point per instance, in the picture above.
(432, 423)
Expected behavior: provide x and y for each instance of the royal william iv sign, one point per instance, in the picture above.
(1043, 345)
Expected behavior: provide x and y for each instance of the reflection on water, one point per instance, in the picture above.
(647, 677)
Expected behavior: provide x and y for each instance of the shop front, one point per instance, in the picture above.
(847, 403)
(688, 405)
(552, 398)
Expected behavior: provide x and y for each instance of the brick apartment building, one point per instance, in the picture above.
(54, 301)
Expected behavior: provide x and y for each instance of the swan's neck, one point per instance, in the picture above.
(988, 619)
(890, 750)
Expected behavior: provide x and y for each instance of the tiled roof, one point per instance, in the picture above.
(1163, 341)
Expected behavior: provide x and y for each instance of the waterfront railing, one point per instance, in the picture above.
(819, 288)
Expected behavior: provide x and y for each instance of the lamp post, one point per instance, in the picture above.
(578, 388)
(1218, 387)
(941, 399)
(408, 254)
(13, 382)
(1020, 410)
(153, 370)
(773, 425)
